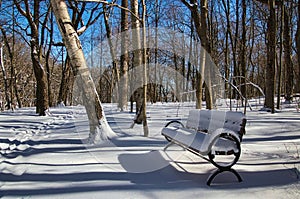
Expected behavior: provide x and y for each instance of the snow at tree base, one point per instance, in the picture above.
(50, 157)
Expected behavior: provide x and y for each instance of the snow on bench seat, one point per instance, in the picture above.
(200, 142)
(212, 133)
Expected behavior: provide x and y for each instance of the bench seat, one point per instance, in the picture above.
(200, 142)
(210, 133)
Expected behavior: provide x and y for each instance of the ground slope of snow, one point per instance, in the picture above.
(48, 157)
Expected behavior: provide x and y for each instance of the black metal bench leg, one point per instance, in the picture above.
(236, 174)
(212, 176)
(218, 171)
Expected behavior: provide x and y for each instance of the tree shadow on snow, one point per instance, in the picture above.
(165, 178)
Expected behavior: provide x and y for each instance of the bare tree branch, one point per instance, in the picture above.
(277, 2)
(112, 4)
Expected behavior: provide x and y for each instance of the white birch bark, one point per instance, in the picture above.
(137, 62)
(99, 128)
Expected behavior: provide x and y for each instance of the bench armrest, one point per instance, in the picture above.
(211, 138)
(174, 122)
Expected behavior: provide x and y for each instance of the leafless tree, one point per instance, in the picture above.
(32, 15)
(115, 75)
(81, 24)
(200, 22)
(99, 128)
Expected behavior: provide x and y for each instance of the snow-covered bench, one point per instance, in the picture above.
(212, 133)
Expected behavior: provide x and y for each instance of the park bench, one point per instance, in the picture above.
(212, 133)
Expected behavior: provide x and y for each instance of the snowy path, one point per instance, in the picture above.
(46, 157)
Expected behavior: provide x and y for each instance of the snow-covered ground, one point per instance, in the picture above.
(48, 157)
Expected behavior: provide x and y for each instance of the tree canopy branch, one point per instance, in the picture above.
(111, 4)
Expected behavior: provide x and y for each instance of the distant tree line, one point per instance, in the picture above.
(252, 43)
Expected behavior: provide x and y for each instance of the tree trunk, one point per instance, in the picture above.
(66, 82)
(234, 41)
(41, 79)
(189, 69)
(115, 70)
(145, 80)
(227, 61)
(67, 78)
(99, 128)
(47, 57)
(8, 103)
(155, 96)
(243, 52)
(287, 44)
(137, 61)
(298, 47)
(200, 21)
(12, 65)
(123, 99)
(177, 90)
(206, 46)
(227, 52)
(279, 70)
(42, 103)
(200, 75)
(271, 58)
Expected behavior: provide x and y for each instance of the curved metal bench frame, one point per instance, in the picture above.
(210, 153)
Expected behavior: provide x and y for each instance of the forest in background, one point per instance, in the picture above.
(253, 43)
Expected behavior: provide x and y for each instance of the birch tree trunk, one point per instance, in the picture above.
(139, 54)
(99, 128)
(137, 60)
(80, 22)
(123, 99)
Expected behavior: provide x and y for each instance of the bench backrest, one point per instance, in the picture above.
(210, 120)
